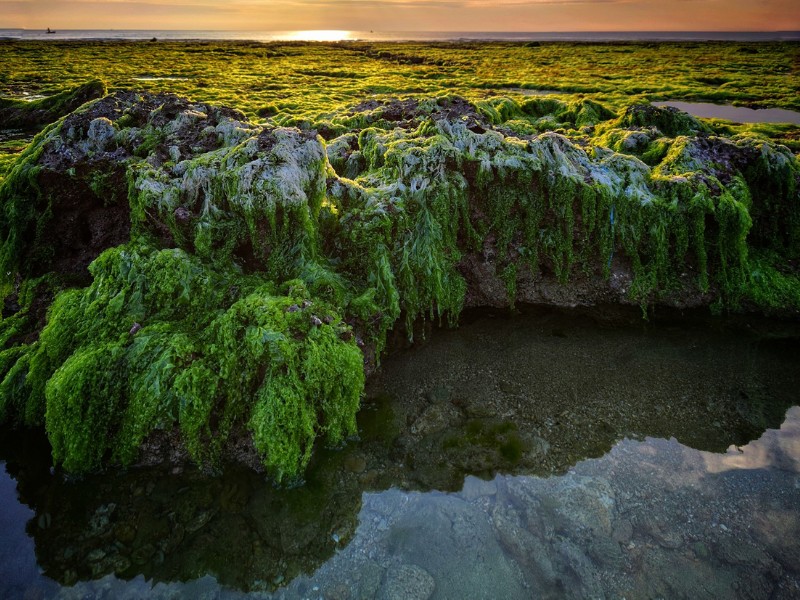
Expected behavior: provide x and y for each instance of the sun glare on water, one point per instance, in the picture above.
(320, 35)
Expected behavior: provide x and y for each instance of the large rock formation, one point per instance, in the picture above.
(230, 277)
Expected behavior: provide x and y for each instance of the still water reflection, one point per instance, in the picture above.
(473, 478)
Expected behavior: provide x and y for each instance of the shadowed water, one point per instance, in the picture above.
(547, 455)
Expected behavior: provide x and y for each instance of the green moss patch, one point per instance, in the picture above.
(161, 340)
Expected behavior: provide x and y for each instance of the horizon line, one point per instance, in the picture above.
(433, 30)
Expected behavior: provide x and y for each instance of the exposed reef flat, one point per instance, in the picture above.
(306, 84)
(180, 279)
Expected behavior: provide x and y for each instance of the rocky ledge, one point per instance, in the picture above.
(179, 281)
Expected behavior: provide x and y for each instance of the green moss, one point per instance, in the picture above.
(667, 120)
(499, 436)
(84, 397)
(573, 115)
(9, 152)
(24, 211)
(297, 85)
(321, 376)
(674, 222)
(773, 180)
(772, 284)
(512, 449)
(644, 144)
(400, 227)
(499, 110)
(14, 391)
(586, 113)
(161, 339)
(543, 106)
(157, 355)
(656, 151)
(509, 277)
(259, 197)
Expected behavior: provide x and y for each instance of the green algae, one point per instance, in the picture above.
(161, 339)
(21, 214)
(313, 85)
(669, 122)
(303, 80)
(244, 194)
(257, 253)
(501, 438)
(773, 283)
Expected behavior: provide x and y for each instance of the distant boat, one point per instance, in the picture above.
(49, 30)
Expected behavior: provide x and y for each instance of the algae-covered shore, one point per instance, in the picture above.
(210, 273)
(297, 83)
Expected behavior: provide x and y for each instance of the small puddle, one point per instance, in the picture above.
(531, 92)
(551, 454)
(31, 97)
(161, 78)
(737, 114)
(20, 138)
(22, 96)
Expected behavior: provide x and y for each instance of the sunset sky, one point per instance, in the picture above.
(407, 15)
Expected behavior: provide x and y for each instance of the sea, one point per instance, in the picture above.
(400, 36)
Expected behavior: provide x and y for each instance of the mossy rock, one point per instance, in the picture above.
(668, 120)
(161, 340)
(226, 276)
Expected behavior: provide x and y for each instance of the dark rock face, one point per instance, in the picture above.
(485, 287)
(86, 225)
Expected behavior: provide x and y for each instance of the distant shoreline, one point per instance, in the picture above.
(407, 36)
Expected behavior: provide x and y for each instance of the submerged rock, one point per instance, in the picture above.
(214, 235)
(408, 582)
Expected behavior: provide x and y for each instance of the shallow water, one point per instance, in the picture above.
(532, 92)
(16, 135)
(158, 78)
(473, 477)
(737, 114)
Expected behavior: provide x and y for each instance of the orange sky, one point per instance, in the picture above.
(407, 15)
